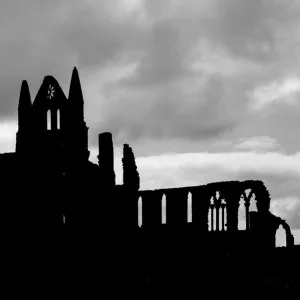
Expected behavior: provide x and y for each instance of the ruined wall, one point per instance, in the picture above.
(218, 201)
(220, 197)
(52, 186)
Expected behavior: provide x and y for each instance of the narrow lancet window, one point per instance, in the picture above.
(189, 210)
(242, 214)
(58, 119)
(140, 212)
(164, 209)
(209, 219)
(49, 120)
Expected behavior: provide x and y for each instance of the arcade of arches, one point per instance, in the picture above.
(216, 207)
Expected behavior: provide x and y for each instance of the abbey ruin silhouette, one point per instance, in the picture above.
(54, 193)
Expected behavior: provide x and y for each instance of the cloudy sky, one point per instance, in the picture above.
(203, 90)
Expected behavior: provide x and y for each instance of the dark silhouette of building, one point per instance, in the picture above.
(54, 189)
(52, 192)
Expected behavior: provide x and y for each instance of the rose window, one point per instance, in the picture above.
(51, 91)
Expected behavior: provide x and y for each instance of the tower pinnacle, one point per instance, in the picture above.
(75, 92)
(24, 108)
(24, 100)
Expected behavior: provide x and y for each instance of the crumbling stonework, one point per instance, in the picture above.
(52, 190)
(106, 159)
(131, 179)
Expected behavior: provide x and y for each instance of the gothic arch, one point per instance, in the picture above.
(51, 97)
(211, 215)
(279, 232)
(242, 223)
(247, 204)
(288, 233)
(50, 94)
(223, 214)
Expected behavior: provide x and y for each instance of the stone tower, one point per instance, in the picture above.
(77, 132)
(106, 159)
(52, 132)
(24, 119)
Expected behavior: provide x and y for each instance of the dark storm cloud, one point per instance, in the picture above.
(39, 39)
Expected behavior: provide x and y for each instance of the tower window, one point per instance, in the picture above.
(50, 92)
(58, 119)
(49, 120)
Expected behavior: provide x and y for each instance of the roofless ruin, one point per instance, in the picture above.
(53, 192)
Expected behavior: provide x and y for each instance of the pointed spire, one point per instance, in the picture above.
(25, 107)
(75, 92)
(24, 100)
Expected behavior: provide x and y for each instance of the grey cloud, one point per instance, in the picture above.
(279, 185)
(37, 40)
(54, 38)
(247, 27)
(164, 55)
(240, 27)
(95, 39)
(169, 112)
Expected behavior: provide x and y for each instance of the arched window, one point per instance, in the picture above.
(50, 92)
(242, 214)
(253, 206)
(249, 204)
(223, 217)
(209, 219)
(58, 119)
(280, 237)
(140, 212)
(49, 120)
(211, 215)
(164, 209)
(189, 210)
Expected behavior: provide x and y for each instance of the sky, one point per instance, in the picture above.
(203, 90)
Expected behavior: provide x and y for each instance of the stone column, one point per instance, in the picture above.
(212, 216)
(217, 202)
(132, 207)
(262, 198)
(247, 205)
(232, 199)
(288, 233)
(223, 205)
(200, 207)
(290, 240)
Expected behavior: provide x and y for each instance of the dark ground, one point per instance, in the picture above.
(48, 267)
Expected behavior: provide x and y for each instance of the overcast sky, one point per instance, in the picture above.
(203, 90)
